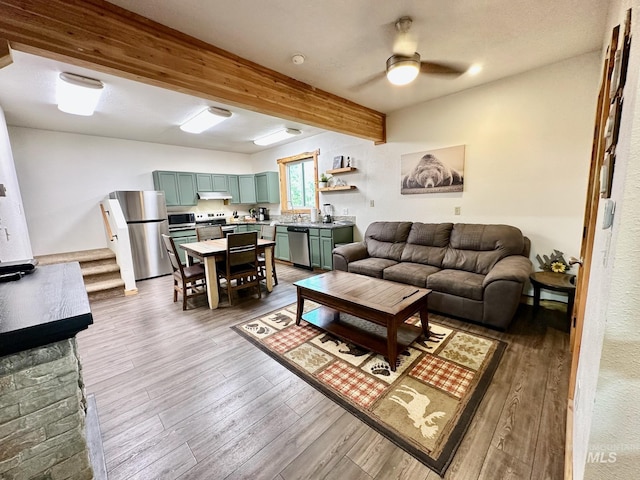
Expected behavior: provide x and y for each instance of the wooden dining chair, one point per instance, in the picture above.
(267, 232)
(210, 232)
(189, 281)
(240, 269)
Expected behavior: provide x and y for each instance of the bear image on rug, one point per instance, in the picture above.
(435, 171)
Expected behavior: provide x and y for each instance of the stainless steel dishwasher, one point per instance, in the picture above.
(299, 247)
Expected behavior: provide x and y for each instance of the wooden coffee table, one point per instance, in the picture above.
(376, 310)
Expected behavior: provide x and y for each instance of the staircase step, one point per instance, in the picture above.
(105, 289)
(84, 256)
(91, 271)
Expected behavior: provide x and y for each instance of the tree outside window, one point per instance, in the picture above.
(298, 182)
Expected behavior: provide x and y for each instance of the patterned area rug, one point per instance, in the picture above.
(424, 407)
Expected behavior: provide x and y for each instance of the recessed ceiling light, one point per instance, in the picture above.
(78, 95)
(205, 119)
(277, 136)
(474, 69)
(298, 59)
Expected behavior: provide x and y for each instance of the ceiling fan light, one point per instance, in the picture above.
(277, 136)
(205, 119)
(78, 95)
(402, 70)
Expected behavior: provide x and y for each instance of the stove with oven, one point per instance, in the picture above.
(214, 218)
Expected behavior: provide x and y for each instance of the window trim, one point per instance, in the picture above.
(282, 165)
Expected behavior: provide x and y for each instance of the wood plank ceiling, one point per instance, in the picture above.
(99, 35)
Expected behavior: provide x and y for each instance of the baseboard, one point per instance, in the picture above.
(133, 291)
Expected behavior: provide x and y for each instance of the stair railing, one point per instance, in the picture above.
(105, 219)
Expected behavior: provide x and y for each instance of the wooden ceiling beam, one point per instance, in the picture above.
(101, 36)
(5, 53)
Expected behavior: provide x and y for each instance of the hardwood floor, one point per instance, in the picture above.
(180, 395)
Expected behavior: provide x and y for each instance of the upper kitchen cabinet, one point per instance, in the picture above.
(267, 187)
(212, 182)
(179, 187)
(247, 186)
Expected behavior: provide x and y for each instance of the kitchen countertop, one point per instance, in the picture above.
(43, 307)
(329, 226)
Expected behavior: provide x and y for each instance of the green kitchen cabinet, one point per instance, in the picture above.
(247, 186)
(242, 228)
(314, 247)
(234, 188)
(282, 244)
(322, 241)
(179, 187)
(187, 191)
(183, 236)
(168, 183)
(204, 182)
(267, 187)
(220, 182)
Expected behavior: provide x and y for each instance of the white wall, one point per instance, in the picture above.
(607, 412)
(65, 176)
(528, 146)
(14, 236)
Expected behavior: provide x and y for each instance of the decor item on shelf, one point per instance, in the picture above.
(554, 262)
(425, 406)
(324, 180)
(337, 161)
(349, 163)
(434, 171)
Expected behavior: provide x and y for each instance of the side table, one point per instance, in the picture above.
(558, 282)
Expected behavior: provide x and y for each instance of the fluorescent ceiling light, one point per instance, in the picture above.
(77, 94)
(402, 70)
(205, 119)
(277, 136)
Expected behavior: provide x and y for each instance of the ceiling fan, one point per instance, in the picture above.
(404, 65)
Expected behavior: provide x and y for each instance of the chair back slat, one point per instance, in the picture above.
(268, 232)
(176, 264)
(210, 232)
(242, 248)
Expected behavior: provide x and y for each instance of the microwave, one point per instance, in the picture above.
(181, 220)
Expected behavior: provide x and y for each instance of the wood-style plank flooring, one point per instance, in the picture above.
(180, 395)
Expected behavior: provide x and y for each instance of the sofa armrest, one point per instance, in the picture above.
(515, 268)
(350, 252)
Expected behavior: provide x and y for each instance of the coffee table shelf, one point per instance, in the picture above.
(364, 333)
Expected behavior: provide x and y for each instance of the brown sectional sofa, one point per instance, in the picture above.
(476, 272)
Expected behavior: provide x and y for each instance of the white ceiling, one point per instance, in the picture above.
(345, 44)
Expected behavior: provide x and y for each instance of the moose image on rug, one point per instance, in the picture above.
(424, 407)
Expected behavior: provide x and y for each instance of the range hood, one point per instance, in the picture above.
(214, 195)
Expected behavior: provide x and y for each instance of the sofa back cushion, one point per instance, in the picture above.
(386, 239)
(477, 248)
(427, 243)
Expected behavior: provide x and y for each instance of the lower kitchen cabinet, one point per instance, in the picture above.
(183, 236)
(322, 241)
(282, 244)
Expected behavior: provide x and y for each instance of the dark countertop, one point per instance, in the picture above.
(48, 305)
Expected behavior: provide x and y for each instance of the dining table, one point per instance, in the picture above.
(211, 251)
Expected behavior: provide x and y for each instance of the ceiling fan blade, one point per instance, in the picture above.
(368, 82)
(442, 68)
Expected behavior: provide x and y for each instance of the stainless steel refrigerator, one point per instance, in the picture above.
(146, 216)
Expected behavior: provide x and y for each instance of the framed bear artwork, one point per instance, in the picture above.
(432, 171)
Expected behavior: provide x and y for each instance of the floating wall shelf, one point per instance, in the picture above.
(342, 170)
(334, 189)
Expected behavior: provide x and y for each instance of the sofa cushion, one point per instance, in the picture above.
(410, 273)
(477, 248)
(457, 282)
(386, 239)
(372, 267)
(427, 243)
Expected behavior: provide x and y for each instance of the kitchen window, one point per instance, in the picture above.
(298, 182)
